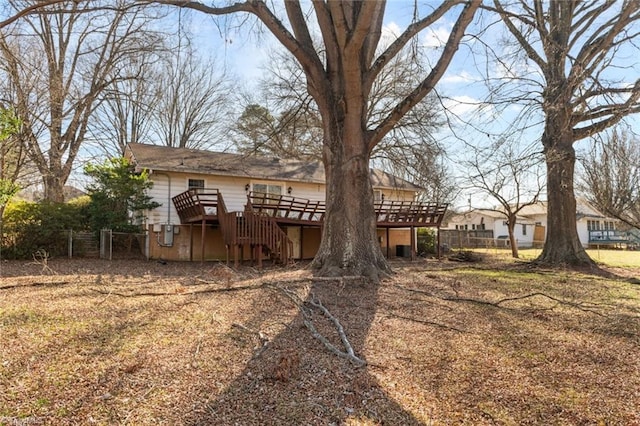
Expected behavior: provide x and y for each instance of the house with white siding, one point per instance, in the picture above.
(594, 228)
(214, 205)
(492, 225)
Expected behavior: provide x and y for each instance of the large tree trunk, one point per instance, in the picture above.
(349, 243)
(562, 245)
(54, 188)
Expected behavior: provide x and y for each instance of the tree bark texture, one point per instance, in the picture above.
(349, 244)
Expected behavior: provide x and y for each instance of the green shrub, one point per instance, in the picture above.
(426, 241)
(29, 227)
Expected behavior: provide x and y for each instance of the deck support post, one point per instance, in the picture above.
(413, 243)
(204, 228)
(387, 240)
(191, 242)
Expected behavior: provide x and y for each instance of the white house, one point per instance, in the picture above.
(495, 223)
(594, 228)
(258, 205)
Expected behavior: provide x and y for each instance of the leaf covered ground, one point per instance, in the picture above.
(446, 343)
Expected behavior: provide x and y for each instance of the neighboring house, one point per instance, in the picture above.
(489, 227)
(220, 205)
(594, 228)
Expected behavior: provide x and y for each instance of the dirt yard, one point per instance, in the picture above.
(445, 343)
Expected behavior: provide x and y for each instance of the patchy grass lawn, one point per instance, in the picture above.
(604, 257)
(494, 342)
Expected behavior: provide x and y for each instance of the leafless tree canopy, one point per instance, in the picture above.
(510, 175)
(611, 178)
(567, 58)
(294, 130)
(55, 64)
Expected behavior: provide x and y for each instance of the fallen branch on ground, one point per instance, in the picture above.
(35, 284)
(264, 340)
(348, 352)
(435, 324)
(583, 306)
(185, 293)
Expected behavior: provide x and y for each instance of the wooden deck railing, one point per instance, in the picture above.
(409, 213)
(287, 209)
(199, 204)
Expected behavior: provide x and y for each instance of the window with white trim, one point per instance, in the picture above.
(196, 184)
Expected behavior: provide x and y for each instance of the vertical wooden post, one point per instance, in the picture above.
(202, 232)
(191, 242)
(387, 238)
(413, 243)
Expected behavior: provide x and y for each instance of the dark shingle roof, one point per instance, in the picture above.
(163, 158)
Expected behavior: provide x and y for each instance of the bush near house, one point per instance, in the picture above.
(29, 227)
(426, 243)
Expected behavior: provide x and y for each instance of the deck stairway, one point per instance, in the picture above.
(239, 229)
(259, 225)
(634, 239)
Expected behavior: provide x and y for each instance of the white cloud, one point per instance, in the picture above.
(436, 37)
(462, 77)
(464, 106)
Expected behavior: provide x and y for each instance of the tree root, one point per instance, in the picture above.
(348, 352)
(583, 306)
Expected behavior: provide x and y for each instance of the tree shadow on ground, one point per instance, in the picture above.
(296, 380)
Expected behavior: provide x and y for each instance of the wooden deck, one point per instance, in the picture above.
(259, 225)
(389, 214)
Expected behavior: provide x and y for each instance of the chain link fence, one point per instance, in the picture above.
(123, 245)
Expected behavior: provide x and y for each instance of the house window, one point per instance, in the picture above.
(270, 190)
(377, 195)
(480, 227)
(524, 229)
(196, 183)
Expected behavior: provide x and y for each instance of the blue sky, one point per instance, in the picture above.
(244, 54)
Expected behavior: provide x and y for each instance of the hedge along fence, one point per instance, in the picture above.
(29, 227)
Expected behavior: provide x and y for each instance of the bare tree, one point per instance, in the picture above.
(568, 62)
(340, 83)
(408, 149)
(193, 109)
(510, 175)
(125, 110)
(56, 64)
(611, 178)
